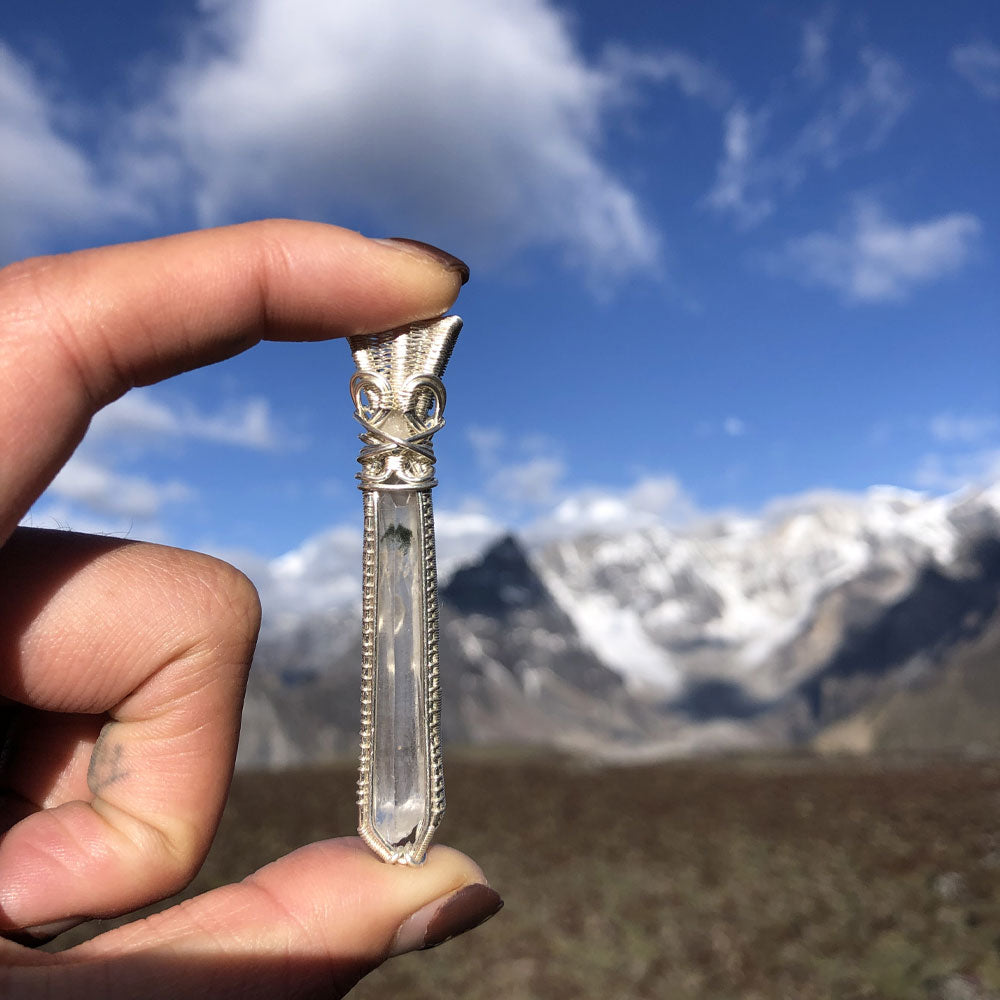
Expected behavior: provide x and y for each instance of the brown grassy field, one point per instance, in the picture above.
(771, 878)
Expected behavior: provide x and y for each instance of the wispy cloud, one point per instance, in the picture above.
(872, 258)
(102, 490)
(964, 428)
(739, 183)
(815, 46)
(731, 426)
(487, 444)
(979, 64)
(770, 149)
(246, 423)
(45, 179)
(859, 116)
(526, 473)
(650, 500)
(938, 471)
(694, 77)
(526, 486)
(964, 450)
(105, 484)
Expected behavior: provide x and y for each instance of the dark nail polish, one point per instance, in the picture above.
(449, 261)
(467, 908)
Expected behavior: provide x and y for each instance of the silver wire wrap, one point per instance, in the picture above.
(399, 400)
(390, 460)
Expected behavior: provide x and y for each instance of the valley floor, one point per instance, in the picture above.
(755, 879)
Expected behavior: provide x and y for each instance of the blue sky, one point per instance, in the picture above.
(721, 253)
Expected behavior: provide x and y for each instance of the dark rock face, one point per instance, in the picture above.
(717, 699)
(499, 586)
(513, 667)
(498, 610)
(939, 613)
(878, 647)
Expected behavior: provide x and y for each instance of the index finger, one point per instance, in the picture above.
(78, 330)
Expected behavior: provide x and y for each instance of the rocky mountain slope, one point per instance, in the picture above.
(736, 633)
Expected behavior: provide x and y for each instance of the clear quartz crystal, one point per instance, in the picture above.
(401, 773)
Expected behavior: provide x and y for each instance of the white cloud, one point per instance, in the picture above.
(769, 151)
(967, 429)
(462, 535)
(98, 487)
(138, 412)
(861, 114)
(524, 472)
(693, 77)
(480, 124)
(45, 180)
(967, 452)
(979, 64)
(731, 426)
(651, 500)
(872, 258)
(533, 482)
(525, 488)
(486, 443)
(951, 472)
(144, 413)
(320, 574)
(104, 491)
(476, 122)
(739, 170)
(814, 46)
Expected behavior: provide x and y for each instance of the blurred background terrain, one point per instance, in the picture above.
(719, 512)
(732, 880)
(757, 760)
(838, 623)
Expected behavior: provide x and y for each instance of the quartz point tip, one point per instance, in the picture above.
(399, 400)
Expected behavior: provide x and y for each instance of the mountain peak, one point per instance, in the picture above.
(501, 582)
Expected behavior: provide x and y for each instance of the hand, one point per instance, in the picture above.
(123, 664)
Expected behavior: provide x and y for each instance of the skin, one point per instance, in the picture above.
(123, 664)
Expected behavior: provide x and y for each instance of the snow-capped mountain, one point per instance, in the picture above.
(734, 632)
(729, 598)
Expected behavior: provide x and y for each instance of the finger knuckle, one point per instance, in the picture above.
(224, 601)
(22, 305)
(38, 319)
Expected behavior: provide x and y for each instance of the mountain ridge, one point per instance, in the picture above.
(735, 633)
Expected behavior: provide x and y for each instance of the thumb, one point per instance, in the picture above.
(309, 925)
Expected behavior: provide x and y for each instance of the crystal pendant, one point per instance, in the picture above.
(400, 782)
(399, 400)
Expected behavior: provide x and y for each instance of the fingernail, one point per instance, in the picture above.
(33, 937)
(448, 261)
(446, 918)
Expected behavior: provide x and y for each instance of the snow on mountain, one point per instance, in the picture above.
(719, 599)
